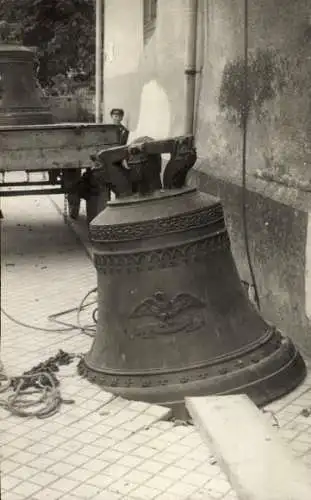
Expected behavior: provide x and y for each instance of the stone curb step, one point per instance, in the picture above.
(257, 463)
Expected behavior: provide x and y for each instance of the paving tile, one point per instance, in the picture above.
(61, 468)
(9, 426)
(160, 444)
(182, 488)
(71, 445)
(105, 442)
(130, 461)
(91, 451)
(138, 476)
(47, 494)
(118, 434)
(54, 440)
(109, 495)
(9, 451)
(138, 438)
(192, 440)
(101, 480)
(13, 496)
(184, 430)
(25, 472)
(145, 493)
(298, 426)
(151, 431)
(48, 426)
(171, 496)
(96, 465)
(8, 466)
(87, 437)
(179, 450)
(122, 487)
(165, 457)
(44, 478)
(200, 453)
(138, 406)
(128, 420)
(8, 482)
(171, 436)
(195, 479)
(65, 484)
(76, 459)
(230, 496)
(187, 463)
(152, 466)
(208, 469)
(218, 484)
(173, 472)
(110, 455)
(57, 454)
(68, 496)
(42, 463)
(22, 457)
(159, 412)
(300, 446)
(16, 442)
(144, 452)
(117, 470)
(67, 432)
(102, 430)
(81, 474)
(92, 418)
(160, 482)
(27, 488)
(86, 491)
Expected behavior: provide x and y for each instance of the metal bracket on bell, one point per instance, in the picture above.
(136, 168)
(183, 158)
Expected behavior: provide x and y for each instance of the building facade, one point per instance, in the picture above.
(146, 43)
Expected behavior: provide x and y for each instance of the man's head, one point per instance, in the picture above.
(117, 115)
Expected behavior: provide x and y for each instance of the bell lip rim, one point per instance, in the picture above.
(174, 397)
(160, 194)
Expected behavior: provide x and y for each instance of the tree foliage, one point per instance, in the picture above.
(63, 32)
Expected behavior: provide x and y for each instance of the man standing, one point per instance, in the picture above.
(117, 115)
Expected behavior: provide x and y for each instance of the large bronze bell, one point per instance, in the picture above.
(173, 317)
(20, 99)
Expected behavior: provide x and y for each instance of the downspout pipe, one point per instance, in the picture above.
(190, 65)
(99, 62)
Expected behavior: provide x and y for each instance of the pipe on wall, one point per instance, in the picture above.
(191, 65)
(99, 61)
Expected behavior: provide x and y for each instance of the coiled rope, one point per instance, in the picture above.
(40, 381)
(36, 393)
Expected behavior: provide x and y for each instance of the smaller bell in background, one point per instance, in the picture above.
(20, 97)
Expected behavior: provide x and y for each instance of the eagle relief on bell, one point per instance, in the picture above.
(165, 316)
(173, 316)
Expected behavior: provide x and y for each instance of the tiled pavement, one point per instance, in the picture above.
(98, 447)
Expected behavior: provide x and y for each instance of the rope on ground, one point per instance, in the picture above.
(68, 327)
(42, 382)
